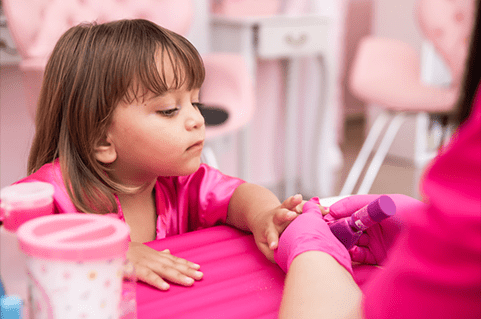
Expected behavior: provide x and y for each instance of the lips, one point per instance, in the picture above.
(195, 146)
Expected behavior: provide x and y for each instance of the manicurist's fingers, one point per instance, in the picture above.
(362, 255)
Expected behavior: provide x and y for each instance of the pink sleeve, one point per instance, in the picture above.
(51, 173)
(196, 201)
(434, 271)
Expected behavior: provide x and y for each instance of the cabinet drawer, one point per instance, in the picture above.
(291, 39)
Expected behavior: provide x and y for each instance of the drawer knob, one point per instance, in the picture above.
(296, 41)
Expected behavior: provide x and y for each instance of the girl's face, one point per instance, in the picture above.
(157, 135)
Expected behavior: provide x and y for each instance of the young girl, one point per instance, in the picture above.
(118, 131)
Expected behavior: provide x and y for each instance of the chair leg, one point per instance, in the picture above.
(378, 159)
(363, 155)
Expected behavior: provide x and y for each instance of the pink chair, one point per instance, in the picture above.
(229, 86)
(36, 25)
(386, 72)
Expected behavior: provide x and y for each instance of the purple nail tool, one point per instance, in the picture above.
(348, 230)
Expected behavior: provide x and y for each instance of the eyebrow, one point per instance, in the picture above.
(154, 96)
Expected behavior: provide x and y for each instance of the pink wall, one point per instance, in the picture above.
(359, 17)
(16, 127)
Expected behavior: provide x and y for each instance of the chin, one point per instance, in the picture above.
(191, 168)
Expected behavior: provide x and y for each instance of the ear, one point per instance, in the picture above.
(105, 151)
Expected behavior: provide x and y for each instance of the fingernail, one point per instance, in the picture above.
(164, 286)
(198, 275)
(189, 281)
(298, 196)
(196, 266)
(291, 214)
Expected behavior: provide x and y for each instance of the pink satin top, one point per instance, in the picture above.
(434, 270)
(184, 203)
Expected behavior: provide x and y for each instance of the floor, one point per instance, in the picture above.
(396, 176)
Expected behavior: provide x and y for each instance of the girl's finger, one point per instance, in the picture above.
(291, 202)
(281, 217)
(324, 210)
(189, 271)
(176, 260)
(178, 275)
(290, 215)
(272, 240)
(148, 276)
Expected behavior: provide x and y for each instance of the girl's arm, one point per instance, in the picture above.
(317, 286)
(256, 209)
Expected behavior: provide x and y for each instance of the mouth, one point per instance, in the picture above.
(196, 146)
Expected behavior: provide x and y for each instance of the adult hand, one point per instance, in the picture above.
(375, 242)
(309, 232)
(155, 267)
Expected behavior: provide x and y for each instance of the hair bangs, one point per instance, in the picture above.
(186, 62)
(176, 53)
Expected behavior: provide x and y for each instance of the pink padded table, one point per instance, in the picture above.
(239, 282)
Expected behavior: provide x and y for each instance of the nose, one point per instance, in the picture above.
(195, 120)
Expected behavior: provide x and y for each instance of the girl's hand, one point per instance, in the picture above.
(270, 225)
(298, 209)
(155, 267)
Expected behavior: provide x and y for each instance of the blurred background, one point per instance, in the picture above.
(299, 94)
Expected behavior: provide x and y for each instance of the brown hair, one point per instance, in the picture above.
(472, 73)
(92, 68)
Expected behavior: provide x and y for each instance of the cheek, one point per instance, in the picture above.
(168, 146)
(158, 140)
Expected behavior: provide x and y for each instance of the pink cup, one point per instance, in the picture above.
(18, 204)
(75, 265)
(25, 201)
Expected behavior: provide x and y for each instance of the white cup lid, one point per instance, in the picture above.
(26, 193)
(20, 202)
(74, 237)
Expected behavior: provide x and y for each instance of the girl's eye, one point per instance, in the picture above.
(197, 105)
(169, 112)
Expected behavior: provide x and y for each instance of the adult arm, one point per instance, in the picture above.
(317, 286)
(319, 281)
